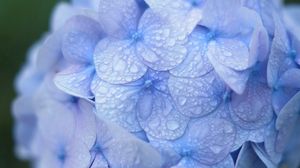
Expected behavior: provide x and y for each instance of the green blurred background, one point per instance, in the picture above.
(22, 22)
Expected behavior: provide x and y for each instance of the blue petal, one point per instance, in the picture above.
(175, 5)
(286, 122)
(270, 144)
(47, 91)
(162, 46)
(99, 162)
(52, 118)
(117, 103)
(61, 13)
(190, 163)
(159, 117)
(26, 124)
(29, 78)
(85, 123)
(47, 159)
(50, 52)
(123, 149)
(119, 18)
(232, 53)
(186, 162)
(196, 63)
(86, 3)
(225, 16)
(279, 50)
(261, 153)
(291, 153)
(247, 157)
(170, 155)
(213, 142)
(78, 155)
(264, 9)
(293, 12)
(281, 96)
(242, 136)
(253, 108)
(117, 62)
(291, 78)
(76, 80)
(226, 163)
(81, 35)
(197, 97)
(259, 42)
(236, 80)
(190, 10)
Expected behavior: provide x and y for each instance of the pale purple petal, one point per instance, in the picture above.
(117, 62)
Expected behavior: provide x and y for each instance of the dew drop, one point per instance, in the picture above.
(182, 100)
(216, 149)
(120, 65)
(172, 125)
(153, 124)
(227, 53)
(134, 69)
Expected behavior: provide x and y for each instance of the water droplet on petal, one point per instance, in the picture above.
(154, 123)
(172, 125)
(120, 65)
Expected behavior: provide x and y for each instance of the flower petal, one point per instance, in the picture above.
(189, 10)
(281, 96)
(26, 125)
(99, 162)
(247, 157)
(162, 45)
(293, 12)
(86, 3)
(117, 62)
(52, 118)
(286, 122)
(196, 63)
(76, 80)
(279, 50)
(236, 80)
(225, 16)
(117, 103)
(291, 78)
(81, 35)
(186, 162)
(159, 117)
(232, 53)
(270, 145)
(78, 155)
(119, 18)
(213, 142)
(167, 150)
(123, 149)
(261, 153)
(243, 135)
(253, 108)
(190, 163)
(197, 97)
(62, 12)
(50, 52)
(85, 123)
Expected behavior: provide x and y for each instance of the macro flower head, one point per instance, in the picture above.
(162, 84)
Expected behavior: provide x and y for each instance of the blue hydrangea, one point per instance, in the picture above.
(162, 84)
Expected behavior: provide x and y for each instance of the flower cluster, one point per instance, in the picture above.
(162, 84)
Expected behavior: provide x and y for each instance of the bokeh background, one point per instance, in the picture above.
(22, 22)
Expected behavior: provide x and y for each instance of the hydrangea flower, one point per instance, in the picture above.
(162, 84)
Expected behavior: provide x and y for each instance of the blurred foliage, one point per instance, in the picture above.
(22, 23)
